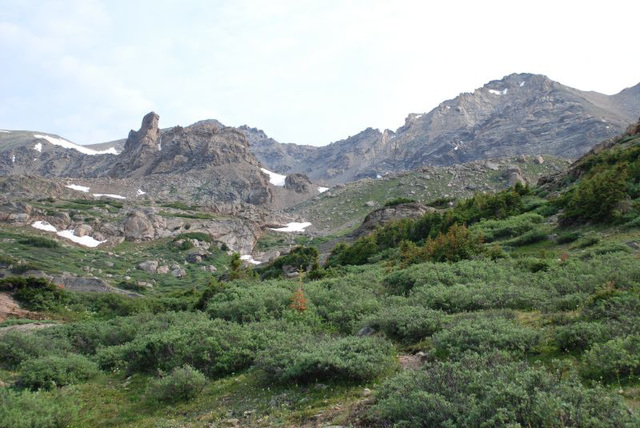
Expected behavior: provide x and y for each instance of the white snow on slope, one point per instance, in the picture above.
(43, 225)
(86, 241)
(250, 259)
(293, 227)
(77, 187)
(5, 131)
(494, 92)
(521, 84)
(141, 192)
(13, 158)
(69, 145)
(38, 147)
(274, 178)
(108, 195)
(322, 189)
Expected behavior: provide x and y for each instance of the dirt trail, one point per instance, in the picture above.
(9, 308)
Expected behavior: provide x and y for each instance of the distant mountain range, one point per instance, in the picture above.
(519, 114)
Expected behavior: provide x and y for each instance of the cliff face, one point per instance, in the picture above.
(217, 164)
(519, 114)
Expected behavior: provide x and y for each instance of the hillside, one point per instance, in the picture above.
(514, 307)
(519, 114)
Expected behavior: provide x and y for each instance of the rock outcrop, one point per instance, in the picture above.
(519, 114)
(299, 183)
(387, 214)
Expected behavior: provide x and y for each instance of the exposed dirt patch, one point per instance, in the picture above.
(25, 327)
(410, 362)
(9, 308)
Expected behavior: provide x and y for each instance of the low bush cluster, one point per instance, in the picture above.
(493, 390)
(53, 371)
(182, 384)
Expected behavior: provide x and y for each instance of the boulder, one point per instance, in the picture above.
(83, 230)
(150, 266)
(385, 215)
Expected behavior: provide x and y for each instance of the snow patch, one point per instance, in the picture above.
(141, 192)
(274, 178)
(322, 189)
(5, 131)
(38, 147)
(69, 145)
(293, 227)
(108, 195)
(378, 176)
(495, 92)
(521, 84)
(78, 188)
(250, 259)
(13, 158)
(43, 225)
(86, 241)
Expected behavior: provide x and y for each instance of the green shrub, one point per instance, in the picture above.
(41, 409)
(409, 324)
(615, 360)
(200, 236)
(596, 197)
(183, 384)
(242, 302)
(457, 244)
(398, 201)
(579, 336)
(507, 228)
(17, 347)
(54, 371)
(301, 258)
(484, 335)
(214, 347)
(36, 294)
(490, 390)
(313, 359)
(568, 237)
(531, 237)
(39, 241)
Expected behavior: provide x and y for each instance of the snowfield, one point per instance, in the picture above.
(250, 259)
(108, 195)
(69, 145)
(293, 227)
(274, 178)
(86, 241)
(77, 187)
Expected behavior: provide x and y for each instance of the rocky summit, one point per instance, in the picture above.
(519, 114)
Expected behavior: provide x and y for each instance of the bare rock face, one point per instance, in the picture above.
(140, 148)
(520, 114)
(299, 183)
(384, 215)
(138, 227)
(513, 176)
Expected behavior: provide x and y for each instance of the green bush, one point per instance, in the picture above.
(247, 302)
(507, 228)
(183, 384)
(54, 371)
(214, 347)
(301, 258)
(531, 237)
(398, 201)
(409, 324)
(484, 335)
(312, 359)
(457, 244)
(39, 241)
(490, 390)
(579, 336)
(36, 294)
(41, 409)
(614, 361)
(17, 347)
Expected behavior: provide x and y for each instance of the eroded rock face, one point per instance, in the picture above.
(384, 215)
(138, 226)
(299, 183)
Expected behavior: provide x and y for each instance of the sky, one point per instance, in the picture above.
(305, 72)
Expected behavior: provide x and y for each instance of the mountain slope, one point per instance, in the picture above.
(519, 114)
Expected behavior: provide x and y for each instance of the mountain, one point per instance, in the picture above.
(519, 114)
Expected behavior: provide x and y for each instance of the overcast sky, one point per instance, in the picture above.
(306, 72)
